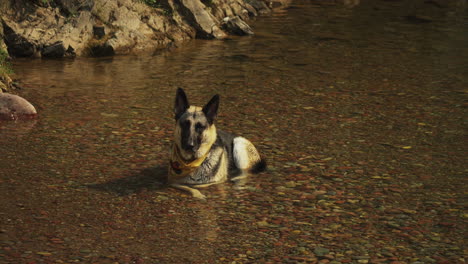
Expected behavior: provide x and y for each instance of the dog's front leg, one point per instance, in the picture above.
(195, 193)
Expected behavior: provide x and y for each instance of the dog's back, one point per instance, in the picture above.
(241, 153)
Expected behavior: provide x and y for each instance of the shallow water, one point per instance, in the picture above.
(359, 110)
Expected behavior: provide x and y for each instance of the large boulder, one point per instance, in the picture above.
(18, 45)
(127, 26)
(46, 32)
(57, 50)
(13, 107)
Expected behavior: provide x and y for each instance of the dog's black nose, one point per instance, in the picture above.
(188, 146)
(190, 143)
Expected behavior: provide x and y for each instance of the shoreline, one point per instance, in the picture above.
(96, 28)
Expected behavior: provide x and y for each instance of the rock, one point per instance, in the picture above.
(320, 251)
(18, 45)
(13, 107)
(99, 31)
(71, 7)
(250, 10)
(2, 42)
(316, 193)
(46, 32)
(279, 3)
(100, 49)
(260, 6)
(6, 83)
(237, 26)
(290, 184)
(263, 223)
(232, 8)
(55, 50)
(63, 28)
(131, 27)
(206, 25)
(361, 259)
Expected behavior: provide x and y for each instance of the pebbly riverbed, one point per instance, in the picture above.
(359, 109)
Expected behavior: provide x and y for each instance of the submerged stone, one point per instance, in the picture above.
(13, 107)
(320, 251)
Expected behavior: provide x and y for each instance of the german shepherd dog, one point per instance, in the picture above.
(201, 155)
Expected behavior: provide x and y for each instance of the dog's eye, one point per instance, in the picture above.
(199, 127)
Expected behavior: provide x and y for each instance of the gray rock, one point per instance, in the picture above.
(195, 12)
(55, 50)
(251, 10)
(237, 26)
(260, 6)
(131, 27)
(18, 46)
(71, 7)
(14, 107)
(46, 32)
(232, 8)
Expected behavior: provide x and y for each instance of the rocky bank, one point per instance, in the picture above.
(68, 28)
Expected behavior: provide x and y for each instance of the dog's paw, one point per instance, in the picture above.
(197, 194)
(194, 192)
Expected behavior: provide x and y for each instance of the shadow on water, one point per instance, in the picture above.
(152, 178)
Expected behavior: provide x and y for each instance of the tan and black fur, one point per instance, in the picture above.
(201, 154)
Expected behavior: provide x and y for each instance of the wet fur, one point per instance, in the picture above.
(195, 135)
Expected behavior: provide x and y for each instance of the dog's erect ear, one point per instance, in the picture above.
(211, 109)
(181, 103)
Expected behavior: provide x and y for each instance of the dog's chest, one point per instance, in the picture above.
(214, 169)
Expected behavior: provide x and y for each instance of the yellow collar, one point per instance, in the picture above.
(179, 168)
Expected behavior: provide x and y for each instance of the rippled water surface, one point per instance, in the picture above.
(360, 111)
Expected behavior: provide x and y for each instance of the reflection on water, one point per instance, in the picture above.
(357, 105)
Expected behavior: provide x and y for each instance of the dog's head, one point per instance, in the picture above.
(195, 131)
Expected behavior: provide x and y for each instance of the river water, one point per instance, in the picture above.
(359, 109)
